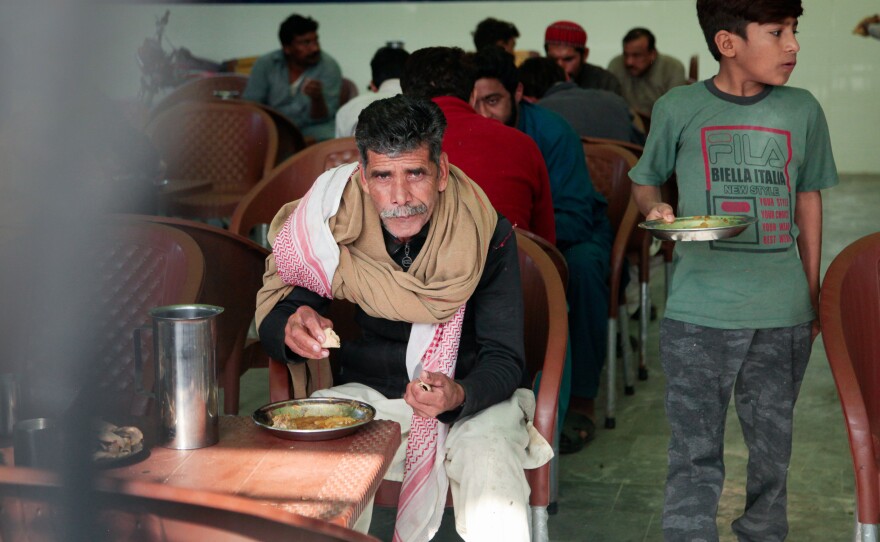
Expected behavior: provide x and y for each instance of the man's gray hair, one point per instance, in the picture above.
(398, 125)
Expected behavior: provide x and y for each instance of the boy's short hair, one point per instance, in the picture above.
(735, 15)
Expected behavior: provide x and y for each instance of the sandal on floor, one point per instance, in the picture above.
(577, 431)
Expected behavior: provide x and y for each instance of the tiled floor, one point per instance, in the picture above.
(612, 491)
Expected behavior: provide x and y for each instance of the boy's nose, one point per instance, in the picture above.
(793, 45)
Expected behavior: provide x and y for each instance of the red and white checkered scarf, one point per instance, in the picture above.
(331, 243)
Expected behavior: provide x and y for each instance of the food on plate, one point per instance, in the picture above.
(331, 339)
(115, 442)
(283, 420)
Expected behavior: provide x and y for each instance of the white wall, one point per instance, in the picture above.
(841, 69)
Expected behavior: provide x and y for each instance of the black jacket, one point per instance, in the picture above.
(490, 363)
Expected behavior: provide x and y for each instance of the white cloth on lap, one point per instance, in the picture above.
(485, 455)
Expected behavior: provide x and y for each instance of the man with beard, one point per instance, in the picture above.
(299, 80)
(566, 43)
(506, 163)
(583, 232)
(643, 72)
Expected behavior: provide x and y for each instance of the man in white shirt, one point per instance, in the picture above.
(387, 67)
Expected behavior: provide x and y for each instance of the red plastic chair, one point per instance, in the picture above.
(849, 310)
(140, 266)
(232, 144)
(33, 507)
(609, 165)
(288, 182)
(214, 87)
(233, 275)
(348, 91)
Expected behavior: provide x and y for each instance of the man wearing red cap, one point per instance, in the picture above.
(566, 43)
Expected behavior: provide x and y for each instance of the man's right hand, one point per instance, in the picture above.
(304, 333)
(313, 88)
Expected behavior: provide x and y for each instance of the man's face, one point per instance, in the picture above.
(493, 101)
(568, 57)
(769, 53)
(404, 188)
(636, 56)
(304, 49)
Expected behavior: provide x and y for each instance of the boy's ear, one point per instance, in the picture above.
(726, 41)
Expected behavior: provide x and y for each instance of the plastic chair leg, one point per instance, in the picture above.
(611, 378)
(865, 532)
(644, 318)
(628, 387)
(538, 524)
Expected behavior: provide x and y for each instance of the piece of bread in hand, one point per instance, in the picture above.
(331, 339)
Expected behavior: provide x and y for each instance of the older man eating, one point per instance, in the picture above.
(433, 270)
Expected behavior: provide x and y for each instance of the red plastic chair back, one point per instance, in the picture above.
(290, 181)
(234, 273)
(141, 266)
(850, 316)
(214, 87)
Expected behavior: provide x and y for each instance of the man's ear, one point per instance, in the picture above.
(363, 170)
(586, 54)
(444, 172)
(373, 86)
(518, 95)
(726, 43)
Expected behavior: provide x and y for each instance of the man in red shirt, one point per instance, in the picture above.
(505, 162)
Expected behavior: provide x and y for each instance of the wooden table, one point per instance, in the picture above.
(331, 480)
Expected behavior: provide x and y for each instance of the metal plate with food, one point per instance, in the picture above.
(699, 228)
(117, 446)
(314, 419)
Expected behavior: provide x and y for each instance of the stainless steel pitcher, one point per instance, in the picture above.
(184, 341)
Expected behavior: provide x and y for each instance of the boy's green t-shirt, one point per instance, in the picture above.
(748, 156)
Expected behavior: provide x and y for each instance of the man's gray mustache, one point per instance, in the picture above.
(404, 211)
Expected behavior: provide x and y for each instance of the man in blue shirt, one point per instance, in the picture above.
(299, 80)
(583, 232)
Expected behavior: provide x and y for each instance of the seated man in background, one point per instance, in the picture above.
(566, 43)
(583, 232)
(434, 272)
(506, 163)
(591, 112)
(643, 72)
(299, 80)
(386, 68)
